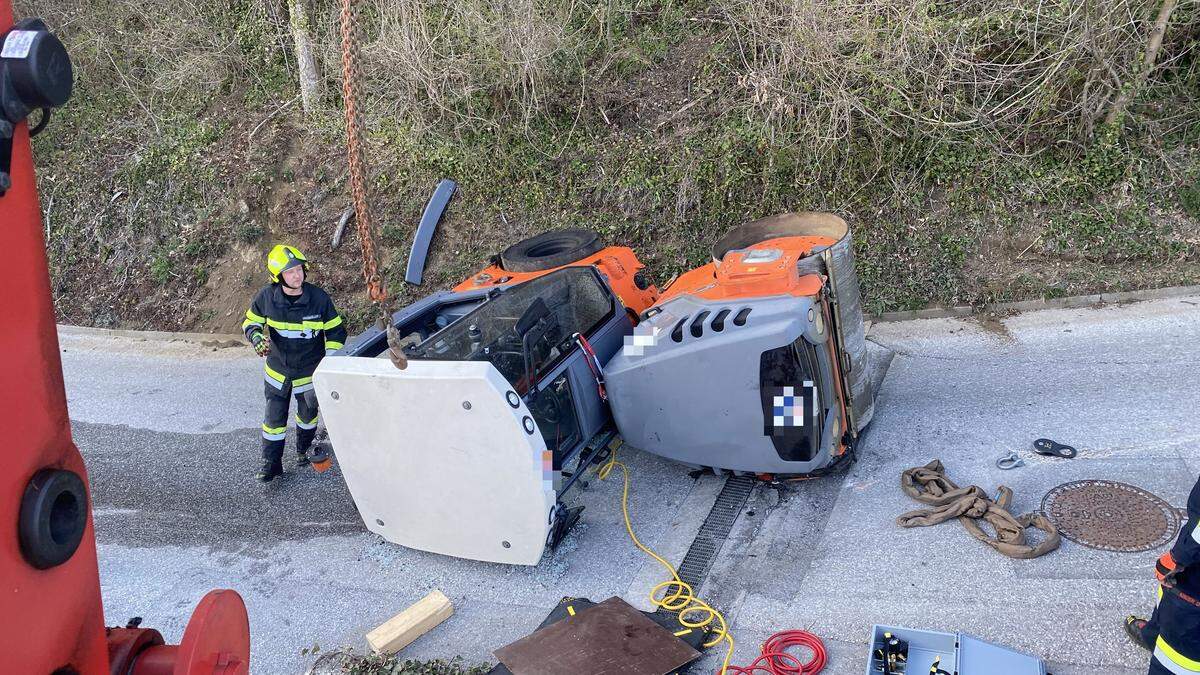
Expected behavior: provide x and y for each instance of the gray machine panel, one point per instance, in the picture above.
(697, 400)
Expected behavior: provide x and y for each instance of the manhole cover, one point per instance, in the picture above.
(1111, 516)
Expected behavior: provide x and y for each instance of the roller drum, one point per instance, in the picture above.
(838, 263)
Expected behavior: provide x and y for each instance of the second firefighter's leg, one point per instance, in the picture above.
(1150, 630)
(306, 423)
(1177, 649)
(1144, 632)
(274, 431)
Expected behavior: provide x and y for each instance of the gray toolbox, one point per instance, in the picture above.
(960, 654)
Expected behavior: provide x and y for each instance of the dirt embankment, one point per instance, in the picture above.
(964, 142)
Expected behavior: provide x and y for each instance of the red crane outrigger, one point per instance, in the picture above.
(51, 616)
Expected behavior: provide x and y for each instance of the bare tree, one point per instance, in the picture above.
(1151, 58)
(306, 60)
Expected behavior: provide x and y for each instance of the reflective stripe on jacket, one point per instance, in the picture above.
(302, 331)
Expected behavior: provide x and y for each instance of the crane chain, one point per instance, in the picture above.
(355, 141)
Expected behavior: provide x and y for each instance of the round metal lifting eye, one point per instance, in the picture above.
(505, 544)
(54, 513)
(513, 399)
(527, 422)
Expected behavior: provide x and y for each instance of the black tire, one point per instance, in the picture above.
(550, 249)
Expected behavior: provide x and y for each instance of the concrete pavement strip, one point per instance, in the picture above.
(178, 511)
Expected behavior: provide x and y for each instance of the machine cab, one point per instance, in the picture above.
(467, 451)
(530, 333)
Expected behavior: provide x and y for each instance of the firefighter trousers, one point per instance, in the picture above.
(274, 428)
(1174, 635)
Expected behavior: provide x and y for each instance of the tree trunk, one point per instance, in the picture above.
(1128, 92)
(306, 60)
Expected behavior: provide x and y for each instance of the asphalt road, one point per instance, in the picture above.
(169, 434)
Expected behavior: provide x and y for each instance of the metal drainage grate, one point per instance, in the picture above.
(715, 530)
(1111, 516)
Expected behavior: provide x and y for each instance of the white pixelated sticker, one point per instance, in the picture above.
(644, 336)
(18, 44)
(788, 406)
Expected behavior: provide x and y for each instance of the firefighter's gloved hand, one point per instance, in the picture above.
(262, 347)
(1171, 578)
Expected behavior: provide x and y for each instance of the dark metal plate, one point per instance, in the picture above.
(1111, 516)
(611, 638)
(569, 607)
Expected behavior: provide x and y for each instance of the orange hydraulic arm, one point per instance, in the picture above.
(51, 617)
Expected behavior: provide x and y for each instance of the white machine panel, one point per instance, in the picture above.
(437, 458)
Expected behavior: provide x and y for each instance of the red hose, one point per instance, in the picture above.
(593, 362)
(775, 660)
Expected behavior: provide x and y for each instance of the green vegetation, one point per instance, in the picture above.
(354, 664)
(1189, 194)
(965, 142)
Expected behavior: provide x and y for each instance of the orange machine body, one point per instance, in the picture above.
(742, 275)
(735, 277)
(619, 265)
(52, 618)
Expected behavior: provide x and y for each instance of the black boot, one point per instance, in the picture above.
(1138, 630)
(272, 465)
(269, 471)
(304, 439)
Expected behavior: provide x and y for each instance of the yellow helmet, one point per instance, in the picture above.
(283, 257)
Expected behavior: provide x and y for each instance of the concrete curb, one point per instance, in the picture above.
(88, 331)
(1069, 302)
(930, 313)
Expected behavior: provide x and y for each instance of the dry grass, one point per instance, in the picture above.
(157, 54)
(657, 122)
(464, 62)
(136, 192)
(1026, 73)
(1023, 72)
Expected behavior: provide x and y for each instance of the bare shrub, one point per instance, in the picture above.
(827, 69)
(464, 61)
(158, 54)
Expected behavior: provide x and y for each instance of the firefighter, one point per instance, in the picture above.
(294, 325)
(1173, 632)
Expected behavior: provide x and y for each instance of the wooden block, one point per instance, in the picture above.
(400, 630)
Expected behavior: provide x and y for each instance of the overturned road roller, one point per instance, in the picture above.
(521, 376)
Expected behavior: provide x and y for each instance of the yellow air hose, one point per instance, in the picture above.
(677, 595)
